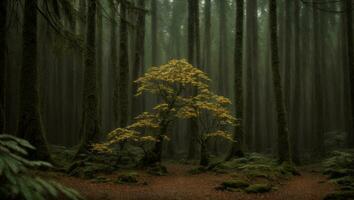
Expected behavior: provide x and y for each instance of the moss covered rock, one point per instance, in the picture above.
(131, 177)
(258, 188)
(236, 183)
(157, 170)
(341, 195)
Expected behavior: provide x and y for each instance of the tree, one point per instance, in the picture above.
(283, 140)
(90, 120)
(123, 66)
(236, 150)
(3, 20)
(154, 32)
(193, 57)
(138, 105)
(318, 83)
(30, 122)
(223, 64)
(114, 60)
(207, 36)
(295, 134)
(170, 82)
(349, 20)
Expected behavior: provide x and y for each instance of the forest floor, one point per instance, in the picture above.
(180, 185)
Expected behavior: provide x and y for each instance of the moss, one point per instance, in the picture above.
(258, 188)
(157, 170)
(289, 169)
(344, 181)
(84, 169)
(236, 183)
(198, 170)
(127, 178)
(101, 179)
(341, 195)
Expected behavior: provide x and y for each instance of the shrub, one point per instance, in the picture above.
(16, 181)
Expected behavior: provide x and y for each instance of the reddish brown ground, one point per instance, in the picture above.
(179, 185)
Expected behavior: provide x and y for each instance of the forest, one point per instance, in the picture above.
(176, 99)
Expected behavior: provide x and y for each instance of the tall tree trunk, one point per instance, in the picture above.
(123, 66)
(295, 128)
(154, 32)
(30, 123)
(223, 64)
(3, 30)
(207, 37)
(351, 61)
(138, 102)
(193, 16)
(317, 75)
(283, 140)
(99, 54)
(236, 150)
(90, 121)
(113, 62)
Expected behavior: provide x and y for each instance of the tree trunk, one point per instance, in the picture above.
(283, 140)
(236, 150)
(193, 16)
(3, 20)
(223, 64)
(207, 37)
(204, 154)
(30, 123)
(295, 129)
(123, 67)
(154, 32)
(90, 124)
(351, 61)
(317, 75)
(138, 102)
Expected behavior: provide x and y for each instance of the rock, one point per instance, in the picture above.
(235, 184)
(157, 170)
(127, 178)
(258, 188)
(342, 195)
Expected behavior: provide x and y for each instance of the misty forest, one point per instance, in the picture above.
(176, 99)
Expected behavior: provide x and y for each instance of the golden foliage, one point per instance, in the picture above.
(171, 82)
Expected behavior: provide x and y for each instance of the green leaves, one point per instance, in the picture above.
(16, 180)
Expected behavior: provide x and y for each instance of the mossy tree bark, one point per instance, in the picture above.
(90, 115)
(30, 123)
(207, 37)
(236, 149)
(123, 66)
(3, 17)
(283, 140)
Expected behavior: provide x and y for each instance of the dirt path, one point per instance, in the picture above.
(178, 185)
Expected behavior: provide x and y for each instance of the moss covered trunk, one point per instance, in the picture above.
(30, 123)
(283, 140)
(3, 17)
(90, 124)
(236, 149)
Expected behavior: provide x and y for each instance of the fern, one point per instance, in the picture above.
(16, 182)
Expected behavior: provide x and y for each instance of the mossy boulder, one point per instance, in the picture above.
(289, 169)
(84, 169)
(340, 195)
(101, 179)
(127, 178)
(157, 170)
(198, 170)
(258, 188)
(236, 183)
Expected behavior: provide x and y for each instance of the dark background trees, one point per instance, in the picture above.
(48, 47)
